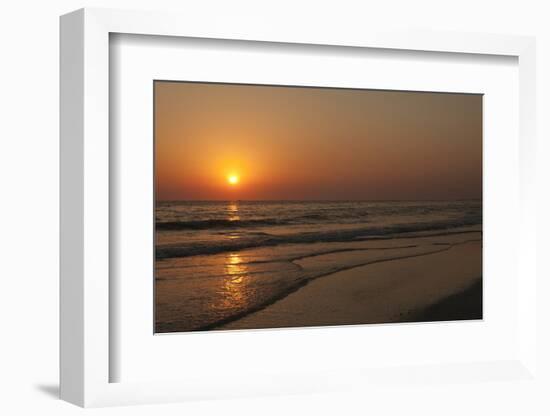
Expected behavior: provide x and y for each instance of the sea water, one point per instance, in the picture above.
(217, 261)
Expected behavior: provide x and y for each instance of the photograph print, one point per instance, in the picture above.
(291, 206)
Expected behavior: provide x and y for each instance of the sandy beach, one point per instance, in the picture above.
(443, 283)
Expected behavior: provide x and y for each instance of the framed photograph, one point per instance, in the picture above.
(288, 206)
(248, 212)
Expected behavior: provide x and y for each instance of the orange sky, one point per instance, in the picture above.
(315, 143)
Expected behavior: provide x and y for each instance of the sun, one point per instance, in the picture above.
(233, 179)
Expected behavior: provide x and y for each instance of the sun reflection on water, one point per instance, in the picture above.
(234, 289)
(233, 211)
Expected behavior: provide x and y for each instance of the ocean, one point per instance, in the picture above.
(219, 261)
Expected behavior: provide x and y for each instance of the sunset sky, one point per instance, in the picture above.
(229, 141)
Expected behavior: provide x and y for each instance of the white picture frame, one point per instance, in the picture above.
(85, 210)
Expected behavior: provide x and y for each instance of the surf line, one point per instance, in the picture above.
(302, 283)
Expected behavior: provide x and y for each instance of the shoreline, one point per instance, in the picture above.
(358, 283)
(229, 320)
(407, 289)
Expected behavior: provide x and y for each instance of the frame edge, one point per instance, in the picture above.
(71, 221)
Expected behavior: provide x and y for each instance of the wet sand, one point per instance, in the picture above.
(465, 305)
(445, 285)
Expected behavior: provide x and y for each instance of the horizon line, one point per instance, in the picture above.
(318, 200)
